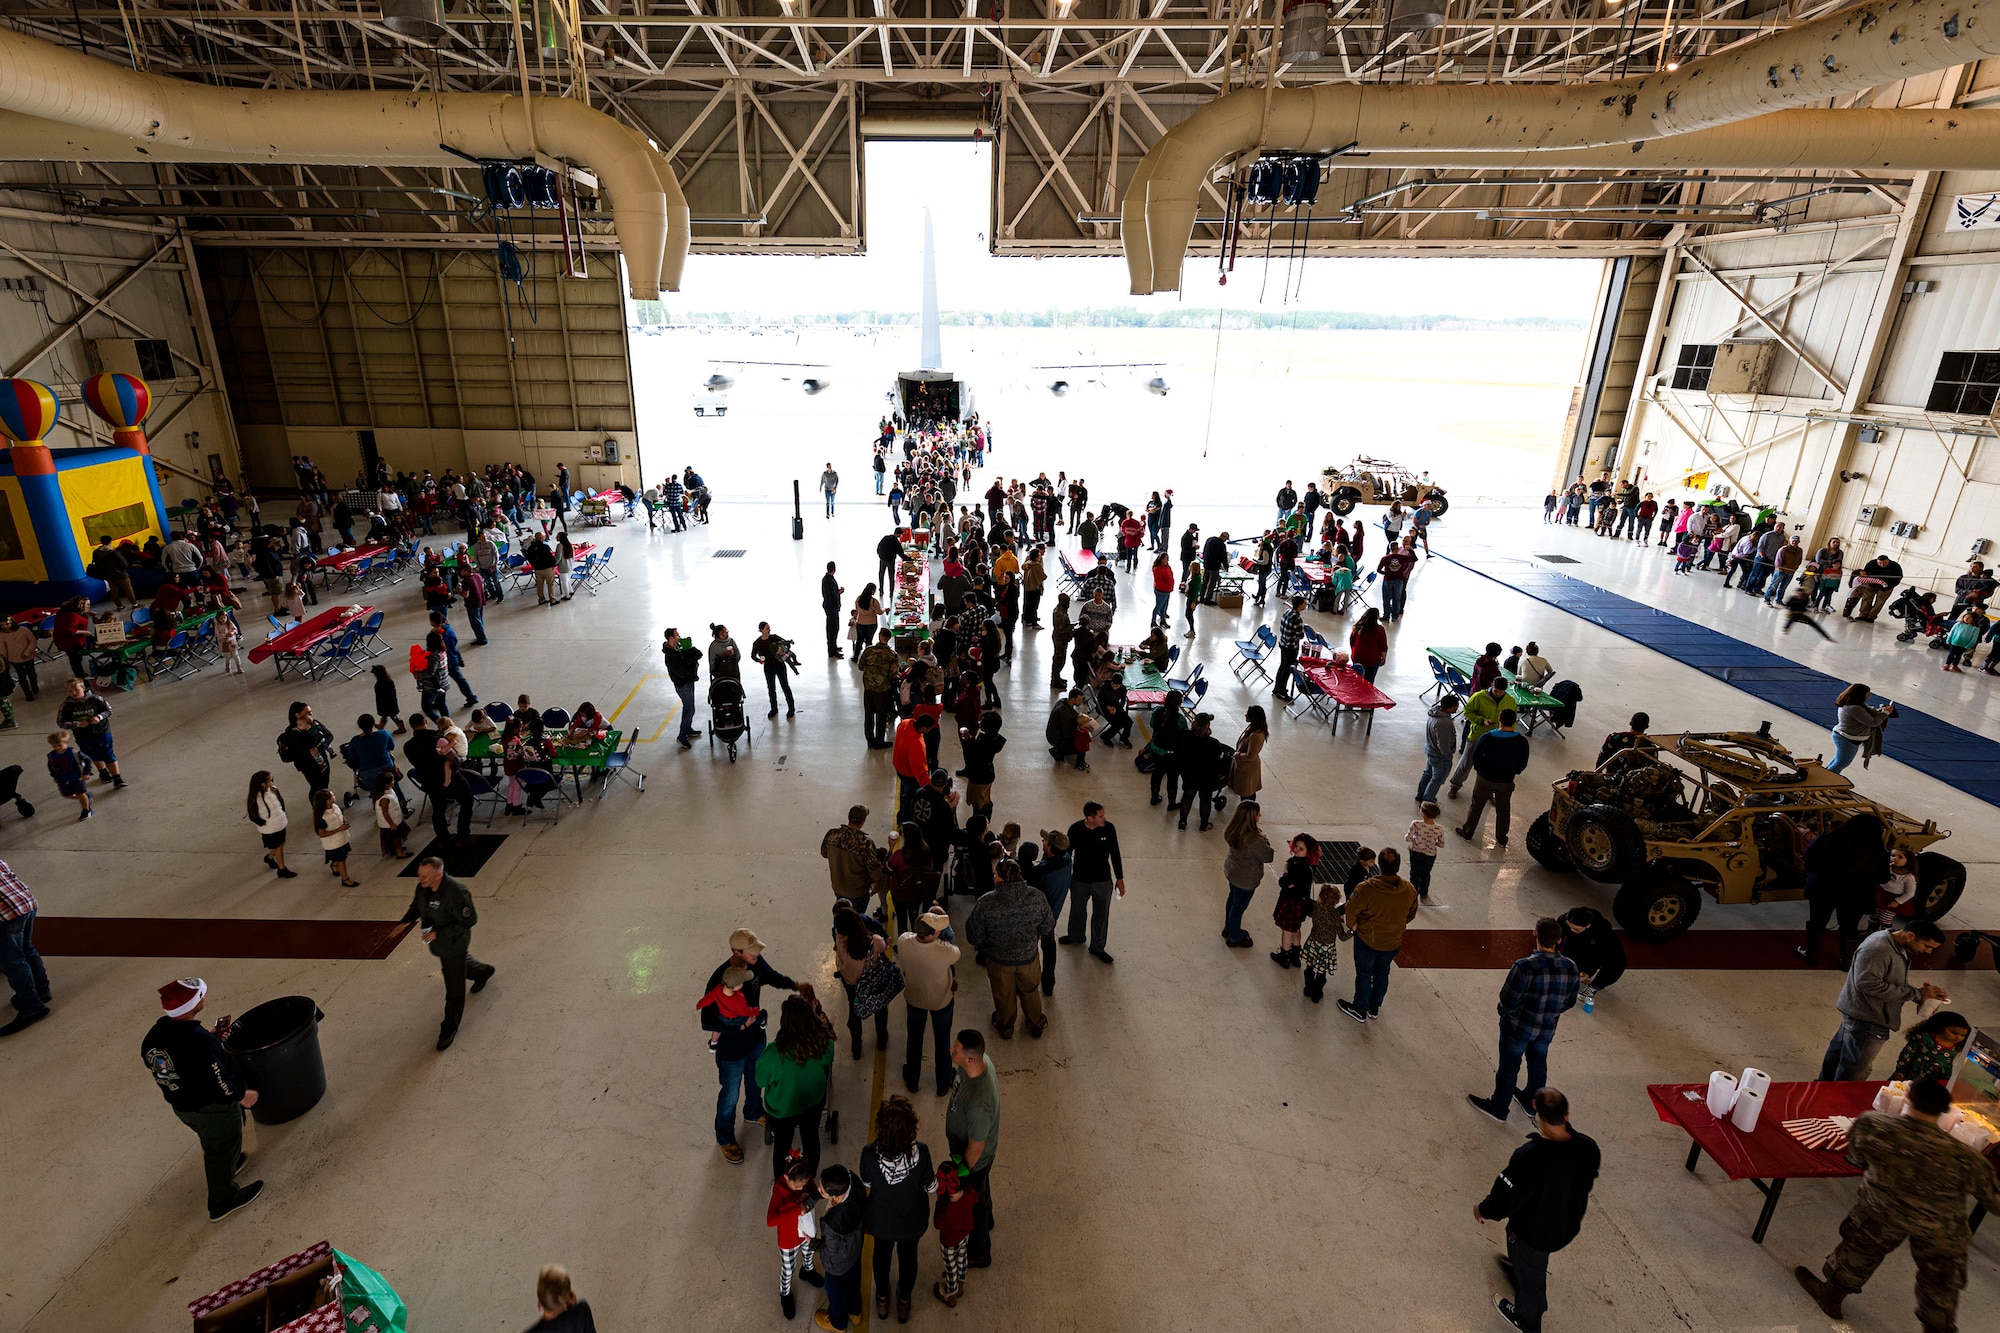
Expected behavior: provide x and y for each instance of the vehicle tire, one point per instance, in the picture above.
(1605, 844)
(722, 411)
(1940, 881)
(1438, 504)
(1658, 905)
(1343, 503)
(1546, 847)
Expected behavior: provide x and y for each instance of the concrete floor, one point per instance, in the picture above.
(1192, 1145)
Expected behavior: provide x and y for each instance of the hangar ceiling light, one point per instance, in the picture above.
(422, 20)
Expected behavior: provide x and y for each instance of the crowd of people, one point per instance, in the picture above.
(1754, 552)
(1033, 893)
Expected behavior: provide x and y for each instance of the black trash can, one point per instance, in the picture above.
(276, 1045)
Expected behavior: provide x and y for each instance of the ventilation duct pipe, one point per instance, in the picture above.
(1409, 16)
(1305, 32)
(419, 20)
(72, 107)
(1851, 51)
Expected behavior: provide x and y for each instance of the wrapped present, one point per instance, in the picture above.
(317, 1290)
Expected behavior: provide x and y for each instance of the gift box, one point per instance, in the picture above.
(317, 1290)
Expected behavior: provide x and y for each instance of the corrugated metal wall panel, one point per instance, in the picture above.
(1962, 314)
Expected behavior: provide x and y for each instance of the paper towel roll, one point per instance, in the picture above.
(1749, 1105)
(1754, 1078)
(1721, 1093)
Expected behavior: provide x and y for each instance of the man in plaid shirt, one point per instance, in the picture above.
(1291, 632)
(1532, 999)
(18, 959)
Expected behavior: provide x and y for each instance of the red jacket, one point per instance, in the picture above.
(911, 758)
(72, 630)
(953, 1217)
(1163, 578)
(1369, 647)
(786, 1204)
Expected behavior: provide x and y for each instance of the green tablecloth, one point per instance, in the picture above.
(594, 756)
(1461, 660)
(1142, 676)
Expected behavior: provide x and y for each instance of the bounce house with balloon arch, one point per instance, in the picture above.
(56, 503)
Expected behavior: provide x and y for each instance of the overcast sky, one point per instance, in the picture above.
(955, 180)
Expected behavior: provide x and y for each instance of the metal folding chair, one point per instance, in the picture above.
(1308, 697)
(618, 765)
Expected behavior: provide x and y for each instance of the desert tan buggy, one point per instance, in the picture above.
(1725, 813)
(1376, 481)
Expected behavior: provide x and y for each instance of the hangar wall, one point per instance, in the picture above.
(71, 284)
(1860, 316)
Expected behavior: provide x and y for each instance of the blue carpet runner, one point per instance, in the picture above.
(1950, 754)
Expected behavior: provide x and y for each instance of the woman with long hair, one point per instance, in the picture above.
(897, 1170)
(867, 612)
(1246, 772)
(1932, 1046)
(1855, 725)
(1368, 644)
(913, 876)
(793, 1071)
(265, 808)
(1243, 869)
(857, 942)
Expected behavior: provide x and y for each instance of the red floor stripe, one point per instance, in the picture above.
(214, 937)
(1698, 950)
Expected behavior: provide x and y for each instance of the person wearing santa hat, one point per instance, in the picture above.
(201, 1084)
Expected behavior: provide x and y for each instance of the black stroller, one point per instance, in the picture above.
(725, 715)
(10, 790)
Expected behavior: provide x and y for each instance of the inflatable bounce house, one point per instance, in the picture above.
(56, 503)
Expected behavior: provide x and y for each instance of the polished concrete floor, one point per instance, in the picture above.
(1192, 1145)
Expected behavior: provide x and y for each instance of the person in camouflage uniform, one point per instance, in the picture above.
(1915, 1187)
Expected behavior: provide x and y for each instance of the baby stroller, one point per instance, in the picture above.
(725, 715)
(10, 790)
(1919, 614)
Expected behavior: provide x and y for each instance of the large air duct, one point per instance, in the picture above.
(1854, 50)
(73, 107)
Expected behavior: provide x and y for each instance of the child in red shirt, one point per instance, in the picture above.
(728, 1000)
(791, 1212)
(953, 1220)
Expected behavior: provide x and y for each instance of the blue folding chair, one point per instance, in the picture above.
(1250, 654)
(555, 719)
(487, 793)
(342, 655)
(499, 712)
(542, 784)
(618, 764)
(583, 577)
(369, 645)
(173, 657)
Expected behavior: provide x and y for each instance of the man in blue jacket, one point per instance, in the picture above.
(737, 1048)
(1497, 758)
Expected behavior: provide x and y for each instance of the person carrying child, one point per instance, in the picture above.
(732, 1008)
(952, 1216)
(791, 1212)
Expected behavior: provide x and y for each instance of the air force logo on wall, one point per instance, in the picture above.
(1975, 212)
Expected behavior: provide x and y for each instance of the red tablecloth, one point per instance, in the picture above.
(310, 633)
(33, 616)
(1766, 1152)
(582, 549)
(349, 559)
(1349, 688)
(1081, 561)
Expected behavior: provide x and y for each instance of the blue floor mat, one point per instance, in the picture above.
(1950, 754)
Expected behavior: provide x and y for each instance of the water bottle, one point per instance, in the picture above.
(1589, 1000)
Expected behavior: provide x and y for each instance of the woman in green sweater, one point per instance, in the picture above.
(792, 1072)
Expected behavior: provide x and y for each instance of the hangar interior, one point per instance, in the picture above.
(279, 215)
